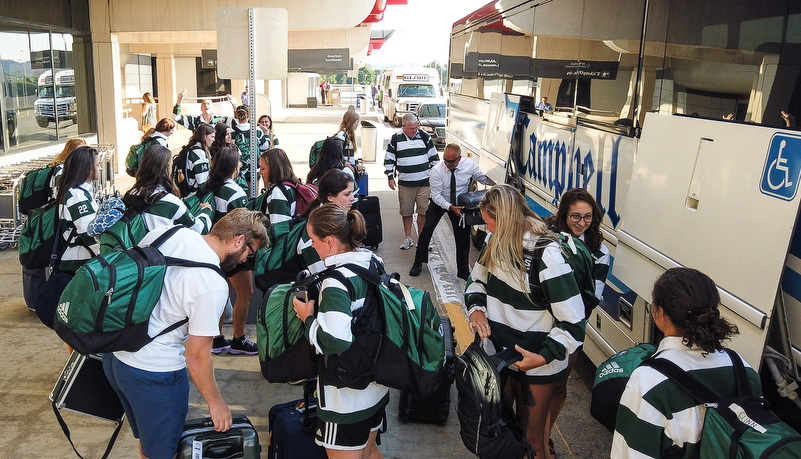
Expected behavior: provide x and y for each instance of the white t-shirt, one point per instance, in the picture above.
(197, 293)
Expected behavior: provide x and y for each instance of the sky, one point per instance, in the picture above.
(422, 31)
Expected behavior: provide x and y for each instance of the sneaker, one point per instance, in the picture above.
(415, 271)
(407, 244)
(219, 344)
(243, 345)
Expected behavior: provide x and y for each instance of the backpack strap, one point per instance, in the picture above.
(694, 388)
(66, 431)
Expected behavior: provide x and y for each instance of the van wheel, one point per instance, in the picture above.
(42, 122)
(396, 121)
(386, 120)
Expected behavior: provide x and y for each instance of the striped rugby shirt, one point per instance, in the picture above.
(330, 333)
(197, 167)
(170, 210)
(658, 419)
(412, 158)
(192, 122)
(348, 154)
(602, 259)
(228, 197)
(78, 210)
(280, 208)
(553, 331)
(241, 138)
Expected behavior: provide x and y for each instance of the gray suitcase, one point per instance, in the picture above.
(200, 440)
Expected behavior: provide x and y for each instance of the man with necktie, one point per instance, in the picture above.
(449, 179)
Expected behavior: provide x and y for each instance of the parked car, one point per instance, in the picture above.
(432, 120)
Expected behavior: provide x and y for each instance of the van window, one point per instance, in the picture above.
(416, 90)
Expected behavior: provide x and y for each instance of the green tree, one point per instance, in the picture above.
(442, 70)
(366, 75)
(340, 78)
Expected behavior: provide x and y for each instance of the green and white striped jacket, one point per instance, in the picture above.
(412, 158)
(228, 197)
(76, 213)
(197, 167)
(330, 333)
(192, 122)
(280, 208)
(171, 210)
(553, 330)
(657, 418)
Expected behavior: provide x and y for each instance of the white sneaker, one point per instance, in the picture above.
(407, 244)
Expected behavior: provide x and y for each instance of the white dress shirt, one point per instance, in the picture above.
(441, 180)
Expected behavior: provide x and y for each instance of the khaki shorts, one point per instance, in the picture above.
(408, 196)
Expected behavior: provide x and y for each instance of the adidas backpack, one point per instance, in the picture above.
(106, 307)
(610, 382)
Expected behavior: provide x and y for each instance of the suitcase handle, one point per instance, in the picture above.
(223, 449)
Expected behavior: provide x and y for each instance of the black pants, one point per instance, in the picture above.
(462, 235)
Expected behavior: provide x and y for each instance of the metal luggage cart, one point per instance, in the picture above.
(11, 220)
(104, 185)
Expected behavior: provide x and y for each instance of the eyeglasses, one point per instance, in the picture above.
(451, 161)
(252, 252)
(576, 217)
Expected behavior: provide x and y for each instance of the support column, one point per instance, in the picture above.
(165, 77)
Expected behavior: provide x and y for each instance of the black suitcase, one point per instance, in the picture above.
(471, 212)
(370, 208)
(200, 440)
(82, 387)
(292, 428)
(436, 408)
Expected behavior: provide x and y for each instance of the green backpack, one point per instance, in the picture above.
(106, 307)
(610, 382)
(285, 353)
(194, 200)
(738, 427)
(280, 263)
(398, 339)
(38, 237)
(135, 153)
(127, 231)
(35, 190)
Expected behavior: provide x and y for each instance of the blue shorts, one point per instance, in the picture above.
(156, 405)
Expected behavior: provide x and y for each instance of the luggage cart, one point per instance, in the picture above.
(104, 185)
(11, 220)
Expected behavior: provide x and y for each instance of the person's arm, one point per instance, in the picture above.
(329, 331)
(433, 155)
(389, 161)
(200, 365)
(562, 293)
(477, 174)
(602, 260)
(436, 181)
(185, 121)
(640, 427)
(279, 209)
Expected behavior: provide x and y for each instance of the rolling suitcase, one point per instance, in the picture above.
(292, 427)
(363, 185)
(370, 208)
(436, 408)
(83, 388)
(201, 441)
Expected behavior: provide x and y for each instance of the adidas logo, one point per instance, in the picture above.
(62, 310)
(609, 369)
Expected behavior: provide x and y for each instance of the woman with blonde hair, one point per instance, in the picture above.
(522, 290)
(347, 134)
(266, 123)
(148, 112)
(61, 158)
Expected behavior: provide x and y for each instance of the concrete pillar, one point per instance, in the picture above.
(108, 92)
(165, 77)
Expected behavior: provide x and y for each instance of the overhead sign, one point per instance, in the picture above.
(319, 60)
(270, 41)
(41, 59)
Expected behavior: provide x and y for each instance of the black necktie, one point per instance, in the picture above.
(453, 186)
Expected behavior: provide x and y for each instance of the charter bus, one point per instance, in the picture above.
(679, 117)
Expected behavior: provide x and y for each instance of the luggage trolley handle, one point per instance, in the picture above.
(306, 405)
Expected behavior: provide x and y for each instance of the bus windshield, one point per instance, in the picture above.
(416, 90)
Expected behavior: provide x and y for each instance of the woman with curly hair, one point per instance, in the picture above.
(656, 418)
(545, 327)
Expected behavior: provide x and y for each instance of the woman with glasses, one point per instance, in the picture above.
(580, 216)
(546, 326)
(227, 197)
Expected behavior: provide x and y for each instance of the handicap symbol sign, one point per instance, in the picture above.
(782, 172)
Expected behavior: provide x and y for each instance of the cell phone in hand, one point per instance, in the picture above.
(301, 294)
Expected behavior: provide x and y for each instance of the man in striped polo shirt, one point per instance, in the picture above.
(412, 154)
(206, 116)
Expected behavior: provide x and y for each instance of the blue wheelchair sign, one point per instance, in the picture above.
(782, 167)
